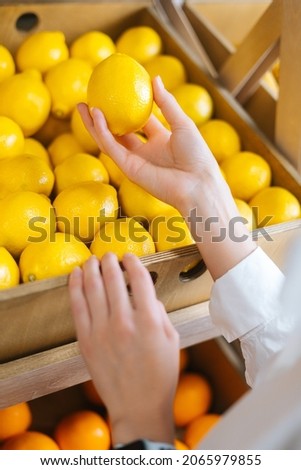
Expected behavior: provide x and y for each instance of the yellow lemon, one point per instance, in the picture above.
(246, 212)
(122, 89)
(54, 257)
(246, 174)
(7, 63)
(78, 168)
(93, 47)
(9, 270)
(170, 231)
(34, 147)
(25, 173)
(25, 217)
(170, 69)
(62, 147)
(83, 208)
(51, 129)
(195, 101)
(115, 174)
(276, 70)
(121, 236)
(222, 139)
(42, 50)
(140, 42)
(67, 83)
(82, 135)
(275, 205)
(26, 100)
(138, 203)
(11, 138)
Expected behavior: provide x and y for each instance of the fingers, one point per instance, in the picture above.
(144, 294)
(78, 303)
(169, 106)
(153, 126)
(87, 119)
(94, 291)
(117, 294)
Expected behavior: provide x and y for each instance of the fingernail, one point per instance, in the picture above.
(77, 272)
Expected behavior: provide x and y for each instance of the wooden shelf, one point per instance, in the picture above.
(58, 368)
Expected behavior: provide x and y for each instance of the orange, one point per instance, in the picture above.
(275, 205)
(91, 393)
(179, 445)
(198, 429)
(122, 89)
(246, 173)
(193, 398)
(83, 430)
(14, 420)
(222, 139)
(140, 42)
(30, 440)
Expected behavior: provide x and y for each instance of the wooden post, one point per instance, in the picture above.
(288, 113)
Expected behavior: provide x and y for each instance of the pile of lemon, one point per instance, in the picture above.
(60, 200)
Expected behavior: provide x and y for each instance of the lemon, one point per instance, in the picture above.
(25, 217)
(9, 270)
(276, 70)
(25, 173)
(11, 138)
(34, 147)
(140, 42)
(122, 89)
(195, 101)
(222, 139)
(62, 147)
(7, 63)
(121, 236)
(246, 212)
(115, 174)
(170, 69)
(138, 203)
(53, 257)
(42, 50)
(82, 135)
(26, 100)
(67, 83)
(78, 168)
(170, 231)
(83, 208)
(275, 205)
(246, 173)
(51, 129)
(93, 47)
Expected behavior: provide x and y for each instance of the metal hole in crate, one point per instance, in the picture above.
(27, 21)
(193, 273)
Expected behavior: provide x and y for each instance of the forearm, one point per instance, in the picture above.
(214, 221)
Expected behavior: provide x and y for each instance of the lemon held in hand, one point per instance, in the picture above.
(121, 88)
(54, 257)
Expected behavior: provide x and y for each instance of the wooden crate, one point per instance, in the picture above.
(38, 348)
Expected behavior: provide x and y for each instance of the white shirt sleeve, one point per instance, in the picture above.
(245, 304)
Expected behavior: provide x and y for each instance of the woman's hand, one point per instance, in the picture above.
(170, 164)
(130, 347)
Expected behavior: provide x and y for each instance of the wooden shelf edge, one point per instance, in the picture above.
(50, 371)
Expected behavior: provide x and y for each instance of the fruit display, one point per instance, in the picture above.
(55, 183)
(85, 424)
